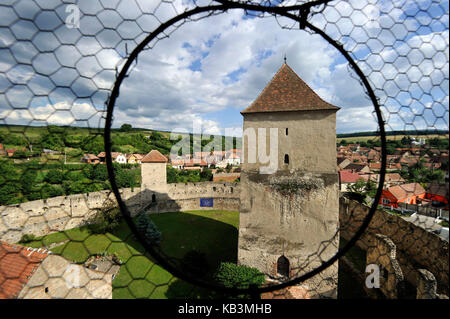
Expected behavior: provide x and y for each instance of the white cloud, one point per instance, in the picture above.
(235, 59)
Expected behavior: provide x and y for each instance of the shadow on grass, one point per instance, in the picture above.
(211, 233)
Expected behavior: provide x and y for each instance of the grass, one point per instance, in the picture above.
(213, 233)
(444, 223)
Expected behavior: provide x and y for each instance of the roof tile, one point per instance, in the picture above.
(154, 156)
(287, 92)
(17, 264)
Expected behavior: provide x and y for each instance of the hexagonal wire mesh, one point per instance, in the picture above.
(57, 69)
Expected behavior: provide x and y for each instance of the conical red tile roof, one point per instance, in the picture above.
(287, 92)
(154, 156)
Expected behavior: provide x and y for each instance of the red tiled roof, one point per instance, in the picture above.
(440, 189)
(375, 165)
(287, 92)
(154, 156)
(406, 190)
(355, 167)
(90, 156)
(17, 265)
(348, 177)
(393, 177)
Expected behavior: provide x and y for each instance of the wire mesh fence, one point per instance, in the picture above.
(62, 67)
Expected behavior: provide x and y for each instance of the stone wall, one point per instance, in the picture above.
(292, 216)
(42, 217)
(383, 254)
(416, 247)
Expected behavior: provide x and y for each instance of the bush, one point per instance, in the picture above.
(49, 190)
(148, 229)
(54, 176)
(195, 263)
(233, 276)
(27, 238)
(106, 220)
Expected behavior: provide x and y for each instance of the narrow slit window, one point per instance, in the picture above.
(286, 159)
(287, 131)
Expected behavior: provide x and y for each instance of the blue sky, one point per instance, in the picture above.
(209, 70)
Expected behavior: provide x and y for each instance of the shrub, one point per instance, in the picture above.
(152, 234)
(27, 238)
(54, 176)
(106, 220)
(148, 229)
(195, 263)
(233, 276)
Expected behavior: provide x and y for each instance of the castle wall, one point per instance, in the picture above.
(295, 216)
(42, 217)
(416, 247)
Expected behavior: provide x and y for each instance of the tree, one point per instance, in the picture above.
(390, 149)
(106, 220)
(206, 175)
(156, 136)
(357, 190)
(126, 128)
(99, 172)
(406, 140)
(148, 230)
(233, 276)
(54, 176)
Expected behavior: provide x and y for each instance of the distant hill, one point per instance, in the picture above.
(394, 133)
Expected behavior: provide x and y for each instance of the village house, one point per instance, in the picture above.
(358, 168)
(90, 159)
(411, 193)
(10, 152)
(233, 159)
(438, 194)
(347, 178)
(134, 158)
(342, 162)
(390, 179)
(116, 157)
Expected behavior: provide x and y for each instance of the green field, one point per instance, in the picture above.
(357, 139)
(213, 233)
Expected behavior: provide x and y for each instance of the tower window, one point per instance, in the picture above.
(153, 198)
(286, 159)
(283, 266)
(287, 131)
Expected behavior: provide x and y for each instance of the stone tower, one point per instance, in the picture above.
(289, 214)
(153, 172)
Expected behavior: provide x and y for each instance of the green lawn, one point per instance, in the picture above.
(214, 233)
